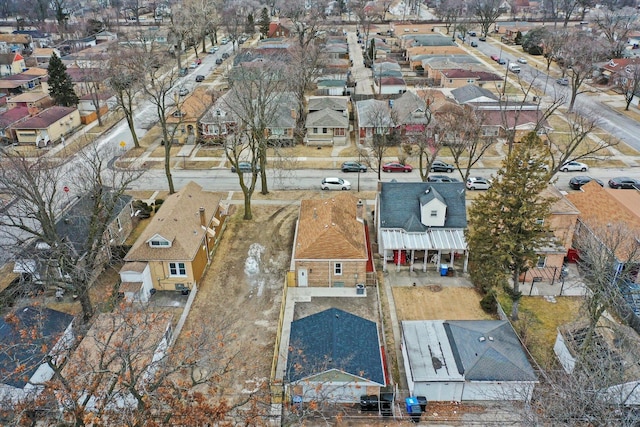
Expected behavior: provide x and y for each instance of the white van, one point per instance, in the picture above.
(514, 68)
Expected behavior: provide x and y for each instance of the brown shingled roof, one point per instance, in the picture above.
(177, 221)
(46, 118)
(328, 229)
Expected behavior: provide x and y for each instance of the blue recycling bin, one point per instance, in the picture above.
(413, 409)
(444, 268)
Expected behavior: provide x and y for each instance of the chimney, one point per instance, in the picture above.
(360, 210)
(203, 220)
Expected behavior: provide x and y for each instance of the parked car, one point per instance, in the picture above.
(213, 49)
(578, 181)
(441, 178)
(482, 39)
(474, 44)
(183, 72)
(353, 167)
(199, 78)
(224, 40)
(624, 182)
(225, 55)
(198, 61)
(574, 166)
(502, 61)
(495, 57)
(396, 167)
(563, 81)
(335, 184)
(522, 60)
(219, 61)
(193, 65)
(183, 91)
(478, 183)
(440, 166)
(472, 33)
(244, 167)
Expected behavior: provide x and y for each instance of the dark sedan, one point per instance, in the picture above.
(624, 182)
(578, 181)
(396, 167)
(440, 166)
(441, 178)
(353, 167)
(244, 167)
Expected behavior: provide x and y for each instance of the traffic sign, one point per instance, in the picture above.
(123, 144)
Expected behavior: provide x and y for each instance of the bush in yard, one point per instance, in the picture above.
(489, 303)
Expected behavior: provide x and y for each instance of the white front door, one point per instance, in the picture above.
(302, 277)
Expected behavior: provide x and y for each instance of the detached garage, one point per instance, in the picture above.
(466, 360)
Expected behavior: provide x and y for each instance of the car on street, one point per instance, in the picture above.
(199, 78)
(474, 44)
(219, 61)
(193, 65)
(522, 60)
(482, 38)
(353, 167)
(225, 55)
(574, 166)
(472, 33)
(198, 61)
(495, 57)
(624, 182)
(477, 183)
(333, 183)
(440, 166)
(563, 81)
(224, 40)
(244, 167)
(502, 61)
(396, 167)
(441, 178)
(183, 91)
(578, 181)
(213, 49)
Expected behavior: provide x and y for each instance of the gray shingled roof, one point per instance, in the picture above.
(406, 105)
(373, 113)
(488, 350)
(467, 93)
(334, 339)
(327, 118)
(428, 40)
(337, 103)
(399, 201)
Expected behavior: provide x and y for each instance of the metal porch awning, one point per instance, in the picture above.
(438, 239)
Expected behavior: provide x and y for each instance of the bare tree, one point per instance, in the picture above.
(383, 127)
(487, 12)
(553, 42)
(449, 11)
(616, 25)
(424, 140)
(125, 83)
(628, 81)
(36, 186)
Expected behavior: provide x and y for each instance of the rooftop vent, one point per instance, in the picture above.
(481, 339)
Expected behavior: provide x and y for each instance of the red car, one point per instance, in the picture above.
(495, 57)
(198, 61)
(396, 167)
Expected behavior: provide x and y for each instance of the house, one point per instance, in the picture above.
(186, 115)
(28, 336)
(11, 63)
(334, 356)
(24, 82)
(500, 120)
(372, 115)
(433, 65)
(423, 39)
(421, 222)
(86, 79)
(50, 125)
(389, 85)
(17, 42)
(331, 248)
(279, 29)
(217, 122)
(331, 87)
(72, 227)
(9, 119)
(466, 360)
(175, 249)
(457, 77)
(411, 113)
(87, 106)
(34, 101)
(471, 94)
(43, 54)
(99, 365)
(327, 121)
(562, 220)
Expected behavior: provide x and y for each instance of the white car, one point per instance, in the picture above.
(335, 184)
(522, 60)
(574, 166)
(478, 183)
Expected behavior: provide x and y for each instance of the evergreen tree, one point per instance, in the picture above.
(60, 84)
(518, 38)
(250, 25)
(264, 22)
(507, 223)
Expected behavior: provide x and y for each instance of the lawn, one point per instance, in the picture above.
(438, 302)
(538, 323)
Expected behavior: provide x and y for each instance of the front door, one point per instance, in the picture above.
(302, 277)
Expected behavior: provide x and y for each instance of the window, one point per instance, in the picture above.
(540, 221)
(119, 223)
(315, 130)
(337, 269)
(158, 243)
(324, 130)
(177, 269)
(434, 213)
(338, 131)
(542, 261)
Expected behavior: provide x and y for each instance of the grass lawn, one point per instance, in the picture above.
(538, 323)
(627, 150)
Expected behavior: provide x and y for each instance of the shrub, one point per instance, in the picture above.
(489, 303)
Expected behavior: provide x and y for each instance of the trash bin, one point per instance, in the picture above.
(360, 289)
(444, 268)
(413, 409)
(422, 400)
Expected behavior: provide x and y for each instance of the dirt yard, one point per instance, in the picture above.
(437, 302)
(244, 286)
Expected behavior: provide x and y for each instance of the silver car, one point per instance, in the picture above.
(335, 184)
(478, 183)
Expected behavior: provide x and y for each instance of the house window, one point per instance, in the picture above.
(450, 80)
(540, 221)
(177, 269)
(158, 243)
(542, 261)
(338, 131)
(324, 130)
(315, 130)
(434, 213)
(337, 269)
(119, 223)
